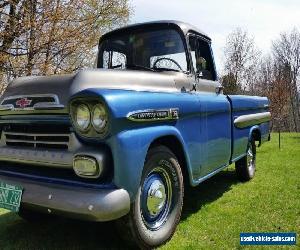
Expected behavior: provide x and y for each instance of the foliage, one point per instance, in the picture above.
(241, 61)
(43, 37)
(286, 52)
(230, 84)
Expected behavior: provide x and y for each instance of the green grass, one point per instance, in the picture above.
(213, 216)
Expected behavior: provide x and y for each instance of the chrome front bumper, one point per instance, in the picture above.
(74, 202)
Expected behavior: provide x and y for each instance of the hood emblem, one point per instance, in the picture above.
(23, 102)
(31, 102)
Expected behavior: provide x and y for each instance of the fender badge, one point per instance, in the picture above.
(154, 115)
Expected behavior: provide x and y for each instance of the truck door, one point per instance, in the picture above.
(215, 124)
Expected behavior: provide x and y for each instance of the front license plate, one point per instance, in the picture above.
(10, 197)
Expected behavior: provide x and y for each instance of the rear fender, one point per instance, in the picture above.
(255, 133)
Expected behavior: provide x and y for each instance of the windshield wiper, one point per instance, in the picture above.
(136, 66)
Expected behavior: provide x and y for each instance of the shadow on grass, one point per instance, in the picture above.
(207, 192)
(59, 233)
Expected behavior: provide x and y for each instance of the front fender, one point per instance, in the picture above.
(129, 149)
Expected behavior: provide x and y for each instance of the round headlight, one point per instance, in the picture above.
(99, 117)
(83, 117)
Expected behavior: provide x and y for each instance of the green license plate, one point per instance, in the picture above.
(10, 197)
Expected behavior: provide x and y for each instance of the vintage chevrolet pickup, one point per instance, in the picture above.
(123, 140)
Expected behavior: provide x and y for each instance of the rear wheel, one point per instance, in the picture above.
(156, 210)
(245, 167)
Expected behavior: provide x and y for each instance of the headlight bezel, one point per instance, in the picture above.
(91, 131)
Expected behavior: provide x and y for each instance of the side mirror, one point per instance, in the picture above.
(201, 64)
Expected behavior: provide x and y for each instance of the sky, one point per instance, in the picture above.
(264, 20)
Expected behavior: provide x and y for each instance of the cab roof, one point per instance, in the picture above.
(184, 27)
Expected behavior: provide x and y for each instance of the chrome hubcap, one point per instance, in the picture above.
(250, 161)
(156, 199)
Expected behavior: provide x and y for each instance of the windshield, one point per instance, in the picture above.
(156, 50)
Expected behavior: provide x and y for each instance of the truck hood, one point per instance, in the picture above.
(64, 86)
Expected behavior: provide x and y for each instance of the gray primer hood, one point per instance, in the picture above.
(65, 86)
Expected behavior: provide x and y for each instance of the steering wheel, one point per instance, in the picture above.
(166, 58)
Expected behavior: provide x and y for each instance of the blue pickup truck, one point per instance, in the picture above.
(121, 141)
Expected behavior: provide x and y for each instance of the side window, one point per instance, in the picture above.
(194, 50)
(113, 60)
(202, 58)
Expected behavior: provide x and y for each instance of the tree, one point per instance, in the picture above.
(241, 61)
(230, 85)
(42, 37)
(286, 51)
(272, 82)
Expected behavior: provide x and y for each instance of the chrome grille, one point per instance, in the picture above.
(36, 136)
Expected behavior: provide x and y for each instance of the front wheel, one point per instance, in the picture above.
(245, 167)
(156, 210)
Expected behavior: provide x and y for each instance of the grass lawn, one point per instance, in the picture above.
(213, 216)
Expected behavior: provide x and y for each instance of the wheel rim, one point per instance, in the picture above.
(156, 197)
(250, 160)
